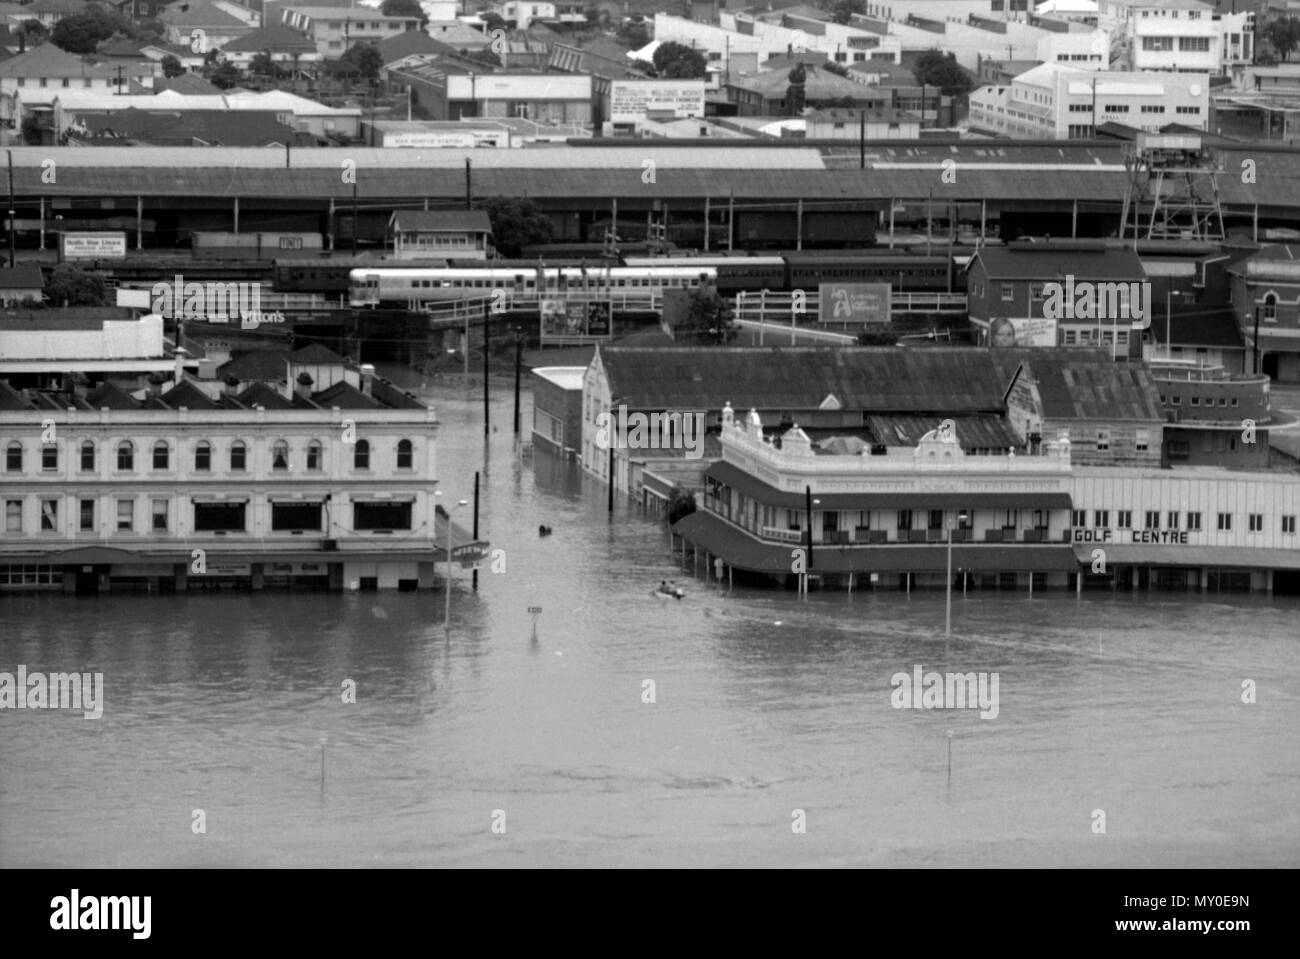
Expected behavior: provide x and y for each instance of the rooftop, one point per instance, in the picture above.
(1045, 262)
(459, 221)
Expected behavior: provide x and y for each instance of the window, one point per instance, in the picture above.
(1194, 522)
(1171, 520)
(125, 515)
(162, 456)
(295, 516)
(1153, 108)
(372, 516)
(904, 519)
(1103, 440)
(86, 514)
(13, 516)
(1288, 524)
(1008, 291)
(87, 457)
(126, 455)
(1141, 440)
(1159, 44)
(218, 517)
(1115, 108)
(1225, 522)
(404, 454)
(1255, 522)
(49, 457)
(49, 516)
(1151, 520)
(14, 457)
(313, 455)
(238, 457)
(1101, 518)
(159, 512)
(1188, 110)
(1270, 308)
(1124, 519)
(1193, 44)
(361, 455)
(203, 457)
(280, 455)
(1078, 518)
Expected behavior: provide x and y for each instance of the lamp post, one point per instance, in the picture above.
(947, 614)
(447, 585)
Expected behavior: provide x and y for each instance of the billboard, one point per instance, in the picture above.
(631, 100)
(1028, 331)
(854, 302)
(93, 246)
(575, 321)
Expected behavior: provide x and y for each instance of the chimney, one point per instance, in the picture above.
(303, 385)
(367, 379)
(178, 369)
(232, 386)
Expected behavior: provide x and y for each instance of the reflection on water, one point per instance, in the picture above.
(763, 704)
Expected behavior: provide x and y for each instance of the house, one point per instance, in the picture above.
(135, 127)
(458, 35)
(110, 344)
(335, 30)
(764, 94)
(48, 67)
(1068, 293)
(50, 12)
(21, 283)
(841, 124)
(285, 46)
(201, 25)
(460, 234)
(1214, 417)
(557, 408)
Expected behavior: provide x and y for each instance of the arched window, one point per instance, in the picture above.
(126, 455)
(88, 457)
(405, 455)
(280, 455)
(313, 455)
(238, 457)
(361, 455)
(1270, 308)
(14, 457)
(203, 456)
(162, 455)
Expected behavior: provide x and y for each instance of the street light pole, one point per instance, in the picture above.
(447, 584)
(947, 614)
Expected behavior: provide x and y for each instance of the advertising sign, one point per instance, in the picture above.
(854, 302)
(575, 321)
(1010, 331)
(93, 246)
(632, 100)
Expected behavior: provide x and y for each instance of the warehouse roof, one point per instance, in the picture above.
(1045, 262)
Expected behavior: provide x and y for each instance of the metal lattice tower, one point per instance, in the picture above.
(1173, 189)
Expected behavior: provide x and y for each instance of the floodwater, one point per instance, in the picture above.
(763, 706)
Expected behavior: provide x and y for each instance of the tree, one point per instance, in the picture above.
(594, 16)
(936, 70)
(72, 286)
(225, 76)
(1283, 34)
(517, 222)
(635, 34)
(707, 318)
(366, 58)
(493, 21)
(681, 503)
(33, 134)
(263, 65)
(676, 61)
(404, 8)
(84, 32)
(795, 92)
(843, 10)
(171, 66)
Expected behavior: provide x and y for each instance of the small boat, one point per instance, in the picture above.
(670, 591)
(544, 531)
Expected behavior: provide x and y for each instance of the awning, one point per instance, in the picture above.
(1209, 557)
(738, 479)
(737, 548)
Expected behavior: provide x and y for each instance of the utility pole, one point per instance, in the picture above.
(13, 213)
(487, 411)
(519, 354)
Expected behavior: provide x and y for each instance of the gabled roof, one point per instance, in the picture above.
(255, 366)
(274, 39)
(47, 60)
(108, 395)
(188, 395)
(458, 221)
(316, 355)
(1193, 324)
(11, 399)
(1045, 262)
(187, 84)
(200, 13)
(1090, 385)
(261, 394)
(408, 42)
(345, 396)
(71, 7)
(23, 276)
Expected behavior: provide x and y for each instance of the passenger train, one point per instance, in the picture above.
(371, 287)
